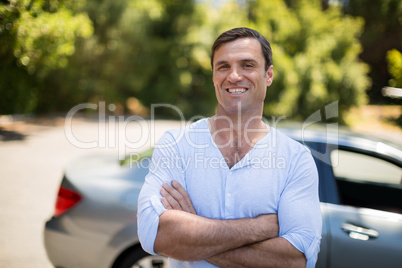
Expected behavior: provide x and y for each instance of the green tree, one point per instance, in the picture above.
(158, 51)
(94, 70)
(36, 37)
(382, 32)
(141, 50)
(162, 70)
(394, 58)
(315, 57)
(315, 52)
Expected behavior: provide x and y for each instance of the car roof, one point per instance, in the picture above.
(341, 136)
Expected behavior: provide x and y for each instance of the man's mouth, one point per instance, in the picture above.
(236, 90)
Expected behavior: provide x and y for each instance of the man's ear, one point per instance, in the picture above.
(270, 75)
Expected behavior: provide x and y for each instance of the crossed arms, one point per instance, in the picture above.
(244, 242)
(248, 242)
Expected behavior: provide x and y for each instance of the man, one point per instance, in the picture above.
(229, 190)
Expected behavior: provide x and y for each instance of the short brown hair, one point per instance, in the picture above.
(244, 32)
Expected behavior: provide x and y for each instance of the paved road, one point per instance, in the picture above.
(32, 157)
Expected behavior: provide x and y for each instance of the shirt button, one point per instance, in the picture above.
(230, 172)
(228, 195)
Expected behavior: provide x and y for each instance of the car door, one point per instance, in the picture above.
(366, 222)
(320, 158)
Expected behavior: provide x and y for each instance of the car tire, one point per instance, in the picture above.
(138, 258)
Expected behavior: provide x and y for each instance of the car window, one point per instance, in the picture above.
(367, 181)
(358, 166)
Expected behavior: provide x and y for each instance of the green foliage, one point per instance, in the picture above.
(394, 58)
(141, 50)
(382, 32)
(36, 38)
(163, 69)
(158, 51)
(315, 56)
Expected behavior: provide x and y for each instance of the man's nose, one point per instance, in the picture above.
(234, 75)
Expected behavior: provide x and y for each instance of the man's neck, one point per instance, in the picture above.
(234, 129)
(235, 137)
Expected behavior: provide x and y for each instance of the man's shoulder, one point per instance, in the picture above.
(201, 124)
(197, 126)
(191, 132)
(284, 142)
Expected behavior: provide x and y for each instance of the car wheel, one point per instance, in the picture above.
(138, 258)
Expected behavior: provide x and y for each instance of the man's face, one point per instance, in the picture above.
(240, 78)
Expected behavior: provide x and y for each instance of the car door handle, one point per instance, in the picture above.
(358, 232)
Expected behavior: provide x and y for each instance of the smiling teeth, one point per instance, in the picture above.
(237, 90)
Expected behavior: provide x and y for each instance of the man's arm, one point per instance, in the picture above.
(181, 236)
(189, 237)
(276, 252)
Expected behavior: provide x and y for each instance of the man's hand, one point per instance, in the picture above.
(175, 197)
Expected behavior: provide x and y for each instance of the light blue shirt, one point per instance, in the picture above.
(277, 176)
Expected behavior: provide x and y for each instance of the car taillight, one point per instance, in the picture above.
(66, 199)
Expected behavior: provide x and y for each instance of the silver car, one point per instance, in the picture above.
(360, 190)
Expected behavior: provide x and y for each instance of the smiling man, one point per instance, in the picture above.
(229, 190)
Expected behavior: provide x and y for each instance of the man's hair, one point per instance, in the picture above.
(243, 32)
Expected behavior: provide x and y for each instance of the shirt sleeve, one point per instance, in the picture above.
(299, 211)
(165, 166)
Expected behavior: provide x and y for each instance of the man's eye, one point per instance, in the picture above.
(222, 67)
(248, 65)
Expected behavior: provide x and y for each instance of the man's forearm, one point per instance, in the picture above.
(188, 237)
(276, 252)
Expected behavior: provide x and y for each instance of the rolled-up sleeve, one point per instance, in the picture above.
(165, 166)
(299, 211)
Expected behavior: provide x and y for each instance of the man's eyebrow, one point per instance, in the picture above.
(221, 62)
(249, 60)
(243, 60)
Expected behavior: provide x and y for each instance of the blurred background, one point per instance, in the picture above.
(55, 55)
(132, 53)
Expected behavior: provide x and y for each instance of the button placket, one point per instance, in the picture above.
(229, 201)
(228, 181)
